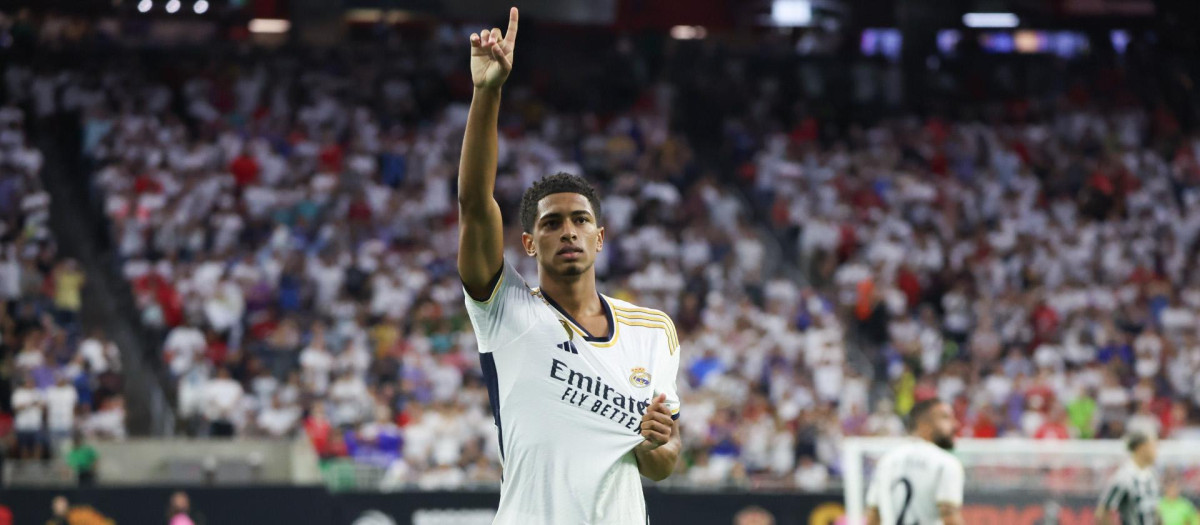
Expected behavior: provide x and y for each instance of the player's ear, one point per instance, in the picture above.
(527, 243)
(600, 240)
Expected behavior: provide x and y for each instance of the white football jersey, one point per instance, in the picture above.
(910, 481)
(568, 406)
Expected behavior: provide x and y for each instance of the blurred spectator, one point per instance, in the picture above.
(29, 405)
(811, 476)
(82, 459)
(222, 402)
(1176, 509)
(101, 354)
(1055, 426)
(753, 516)
(60, 413)
(180, 512)
(183, 347)
(109, 421)
(59, 507)
(278, 419)
(68, 291)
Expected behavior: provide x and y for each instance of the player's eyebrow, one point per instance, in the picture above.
(559, 215)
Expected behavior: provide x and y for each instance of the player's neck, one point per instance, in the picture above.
(575, 294)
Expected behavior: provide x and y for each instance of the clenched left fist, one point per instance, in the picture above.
(656, 424)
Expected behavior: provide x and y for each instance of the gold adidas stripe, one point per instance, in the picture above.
(650, 311)
(654, 324)
(637, 312)
(672, 343)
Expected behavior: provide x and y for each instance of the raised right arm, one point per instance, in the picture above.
(481, 228)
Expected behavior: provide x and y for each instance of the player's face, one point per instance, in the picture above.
(944, 425)
(565, 236)
(1148, 452)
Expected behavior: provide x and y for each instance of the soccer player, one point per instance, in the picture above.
(582, 386)
(920, 482)
(1133, 492)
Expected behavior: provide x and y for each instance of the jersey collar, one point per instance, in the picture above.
(587, 336)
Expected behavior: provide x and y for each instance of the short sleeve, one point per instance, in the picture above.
(668, 385)
(873, 492)
(1111, 498)
(950, 484)
(505, 314)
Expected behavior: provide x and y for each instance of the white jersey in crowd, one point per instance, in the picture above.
(568, 406)
(910, 481)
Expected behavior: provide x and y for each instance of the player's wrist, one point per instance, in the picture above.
(646, 446)
(487, 91)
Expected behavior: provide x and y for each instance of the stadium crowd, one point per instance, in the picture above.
(288, 222)
(55, 380)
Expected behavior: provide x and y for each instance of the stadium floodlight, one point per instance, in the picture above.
(991, 20)
(145, 6)
(688, 32)
(1120, 40)
(785, 13)
(201, 7)
(173, 6)
(269, 25)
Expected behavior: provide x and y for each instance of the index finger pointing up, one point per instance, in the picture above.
(511, 35)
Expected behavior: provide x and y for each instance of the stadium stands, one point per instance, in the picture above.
(58, 379)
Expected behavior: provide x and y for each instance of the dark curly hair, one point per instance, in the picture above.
(557, 183)
(919, 410)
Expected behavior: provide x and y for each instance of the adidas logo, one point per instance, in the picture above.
(567, 346)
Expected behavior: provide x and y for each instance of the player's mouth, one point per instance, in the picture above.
(570, 253)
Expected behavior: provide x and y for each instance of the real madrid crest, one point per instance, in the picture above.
(639, 378)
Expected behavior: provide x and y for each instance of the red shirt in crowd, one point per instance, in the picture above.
(318, 432)
(217, 351)
(146, 184)
(244, 169)
(164, 293)
(908, 283)
(982, 427)
(1045, 321)
(331, 158)
(1052, 430)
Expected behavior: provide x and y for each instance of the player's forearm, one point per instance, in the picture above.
(658, 464)
(477, 166)
(1103, 517)
(873, 517)
(481, 234)
(951, 514)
